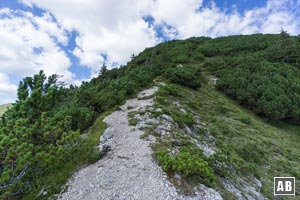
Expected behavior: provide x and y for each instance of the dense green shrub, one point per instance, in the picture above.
(33, 139)
(169, 90)
(270, 89)
(183, 76)
(252, 153)
(189, 162)
(181, 59)
(183, 119)
(259, 71)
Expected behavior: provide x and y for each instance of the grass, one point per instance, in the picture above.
(85, 154)
(130, 107)
(3, 108)
(133, 121)
(245, 141)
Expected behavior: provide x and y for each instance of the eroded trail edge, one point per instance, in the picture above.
(128, 171)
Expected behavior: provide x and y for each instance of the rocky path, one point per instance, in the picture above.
(128, 170)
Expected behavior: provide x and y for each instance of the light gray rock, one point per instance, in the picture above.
(207, 193)
(231, 188)
(158, 110)
(138, 117)
(207, 150)
(257, 183)
(106, 135)
(104, 148)
(182, 110)
(151, 121)
(187, 129)
(252, 194)
(177, 103)
(244, 190)
(167, 118)
(151, 138)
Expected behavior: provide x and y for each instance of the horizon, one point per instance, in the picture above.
(74, 39)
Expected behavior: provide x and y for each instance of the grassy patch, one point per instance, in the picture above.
(130, 107)
(3, 108)
(266, 150)
(133, 121)
(183, 119)
(148, 132)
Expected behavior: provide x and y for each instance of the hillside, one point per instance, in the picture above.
(4, 107)
(231, 108)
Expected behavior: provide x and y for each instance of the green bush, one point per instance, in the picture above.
(252, 153)
(183, 76)
(183, 118)
(190, 163)
(181, 59)
(33, 138)
(246, 120)
(197, 57)
(270, 89)
(169, 90)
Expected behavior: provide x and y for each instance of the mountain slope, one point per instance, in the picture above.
(252, 150)
(54, 130)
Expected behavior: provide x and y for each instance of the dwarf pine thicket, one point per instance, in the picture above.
(40, 133)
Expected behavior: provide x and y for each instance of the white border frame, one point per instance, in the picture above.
(285, 194)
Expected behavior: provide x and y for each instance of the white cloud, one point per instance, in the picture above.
(5, 85)
(189, 20)
(274, 22)
(28, 44)
(46, 24)
(7, 90)
(174, 12)
(113, 28)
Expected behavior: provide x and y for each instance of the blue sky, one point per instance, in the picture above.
(241, 5)
(74, 38)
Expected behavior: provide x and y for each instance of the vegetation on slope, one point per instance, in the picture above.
(41, 132)
(260, 71)
(3, 108)
(246, 146)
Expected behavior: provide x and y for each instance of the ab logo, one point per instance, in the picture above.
(284, 186)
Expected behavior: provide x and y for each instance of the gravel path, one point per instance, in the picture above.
(128, 170)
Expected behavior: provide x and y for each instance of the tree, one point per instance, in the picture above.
(132, 56)
(33, 136)
(103, 69)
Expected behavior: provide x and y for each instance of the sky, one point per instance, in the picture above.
(74, 37)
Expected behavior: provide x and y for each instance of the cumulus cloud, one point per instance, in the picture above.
(5, 85)
(29, 44)
(190, 18)
(7, 90)
(113, 28)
